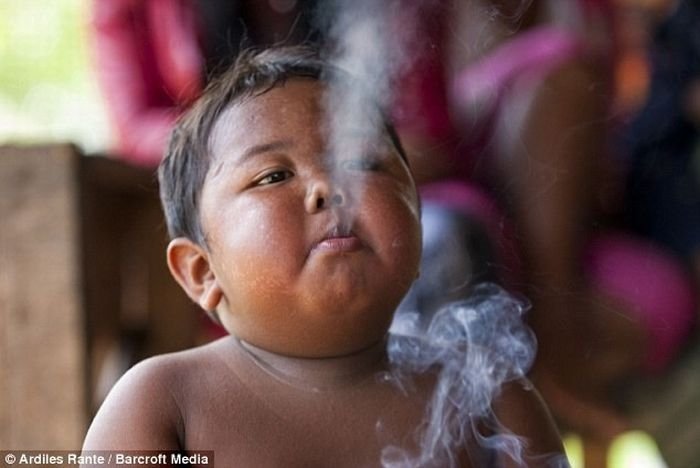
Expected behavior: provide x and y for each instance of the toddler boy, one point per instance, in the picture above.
(303, 257)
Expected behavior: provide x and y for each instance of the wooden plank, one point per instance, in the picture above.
(134, 308)
(42, 347)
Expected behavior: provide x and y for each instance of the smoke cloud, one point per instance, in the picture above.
(478, 345)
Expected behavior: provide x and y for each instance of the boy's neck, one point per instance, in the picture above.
(318, 374)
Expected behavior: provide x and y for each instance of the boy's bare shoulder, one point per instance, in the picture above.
(187, 364)
(173, 372)
(146, 407)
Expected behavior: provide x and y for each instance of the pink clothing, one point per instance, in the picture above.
(654, 287)
(532, 54)
(519, 65)
(149, 63)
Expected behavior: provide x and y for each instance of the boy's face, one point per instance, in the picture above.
(310, 257)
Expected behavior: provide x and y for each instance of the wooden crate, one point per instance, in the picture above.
(82, 271)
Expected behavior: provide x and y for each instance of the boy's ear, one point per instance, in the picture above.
(189, 265)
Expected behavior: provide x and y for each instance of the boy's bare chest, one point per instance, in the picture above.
(250, 425)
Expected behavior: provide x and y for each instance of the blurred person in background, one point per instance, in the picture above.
(663, 199)
(507, 119)
(154, 57)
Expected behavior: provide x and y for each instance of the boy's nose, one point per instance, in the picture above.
(324, 195)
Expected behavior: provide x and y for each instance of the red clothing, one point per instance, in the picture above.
(149, 64)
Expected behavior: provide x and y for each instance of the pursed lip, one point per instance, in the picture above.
(338, 239)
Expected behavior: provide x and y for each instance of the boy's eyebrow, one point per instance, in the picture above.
(264, 148)
(250, 152)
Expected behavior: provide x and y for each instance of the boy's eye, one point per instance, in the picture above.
(274, 177)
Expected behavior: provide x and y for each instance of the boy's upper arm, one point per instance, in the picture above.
(522, 411)
(140, 413)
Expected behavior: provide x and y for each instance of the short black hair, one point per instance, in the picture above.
(187, 157)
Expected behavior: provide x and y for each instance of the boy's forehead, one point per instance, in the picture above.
(295, 110)
(291, 105)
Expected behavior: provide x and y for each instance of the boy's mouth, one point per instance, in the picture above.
(338, 239)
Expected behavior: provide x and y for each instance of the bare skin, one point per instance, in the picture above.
(218, 397)
(307, 295)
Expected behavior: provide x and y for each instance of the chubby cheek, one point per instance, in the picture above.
(252, 254)
(396, 223)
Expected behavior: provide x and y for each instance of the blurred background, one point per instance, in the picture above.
(89, 89)
(48, 86)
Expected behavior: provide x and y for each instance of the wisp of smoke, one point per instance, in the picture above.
(373, 41)
(476, 346)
